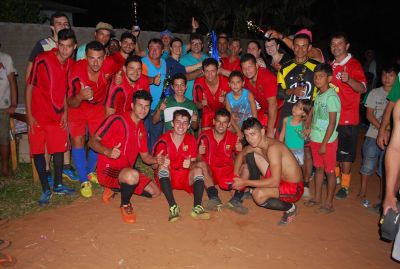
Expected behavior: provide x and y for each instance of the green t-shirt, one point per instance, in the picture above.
(324, 103)
(173, 105)
(394, 93)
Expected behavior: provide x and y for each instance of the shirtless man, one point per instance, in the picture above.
(281, 183)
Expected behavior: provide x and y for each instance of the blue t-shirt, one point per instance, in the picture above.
(153, 71)
(189, 60)
(240, 108)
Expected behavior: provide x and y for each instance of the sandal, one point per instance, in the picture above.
(7, 260)
(4, 244)
(311, 203)
(325, 209)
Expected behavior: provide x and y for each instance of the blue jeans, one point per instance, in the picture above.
(372, 155)
(154, 131)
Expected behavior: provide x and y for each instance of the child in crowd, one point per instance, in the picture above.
(326, 113)
(239, 102)
(292, 133)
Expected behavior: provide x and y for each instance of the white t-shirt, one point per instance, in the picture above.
(377, 101)
(6, 67)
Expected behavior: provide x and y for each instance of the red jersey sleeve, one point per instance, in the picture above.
(198, 90)
(116, 97)
(143, 138)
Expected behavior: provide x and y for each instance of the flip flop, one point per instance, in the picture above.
(4, 244)
(7, 260)
(311, 203)
(325, 210)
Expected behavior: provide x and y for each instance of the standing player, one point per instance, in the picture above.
(178, 170)
(217, 147)
(209, 92)
(349, 77)
(127, 42)
(120, 138)
(47, 112)
(119, 97)
(89, 81)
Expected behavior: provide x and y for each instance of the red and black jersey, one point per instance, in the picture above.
(118, 59)
(265, 87)
(231, 66)
(120, 96)
(121, 129)
(49, 81)
(221, 153)
(200, 87)
(79, 74)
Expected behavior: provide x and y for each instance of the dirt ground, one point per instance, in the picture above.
(90, 234)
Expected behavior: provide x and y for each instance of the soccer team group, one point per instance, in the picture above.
(240, 126)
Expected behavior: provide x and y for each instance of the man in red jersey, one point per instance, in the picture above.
(119, 98)
(232, 62)
(349, 77)
(119, 140)
(46, 110)
(262, 83)
(127, 43)
(209, 92)
(217, 147)
(178, 169)
(89, 81)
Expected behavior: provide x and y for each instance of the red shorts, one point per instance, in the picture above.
(50, 137)
(108, 177)
(207, 119)
(80, 118)
(326, 161)
(179, 180)
(223, 176)
(290, 192)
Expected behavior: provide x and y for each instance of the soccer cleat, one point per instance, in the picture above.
(86, 189)
(342, 193)
(198, 212)
(108, 194)
(93, 178)
(214, 204)
(127, 213)
(237, 207)
(50, 180)
(174, 213)
(45, 198)
(70, 175)
(62, 189)
(247, 195)
(338, 180)
(288, 217)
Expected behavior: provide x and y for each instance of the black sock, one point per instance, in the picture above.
(276, 204)
(251, 164)
(212, 192)
(237, 197)
(40, 164)
(58, 160)
(126, 193)
(166, 188)
(67, 167)
(146, 194)
(198, 190)
(306, 184)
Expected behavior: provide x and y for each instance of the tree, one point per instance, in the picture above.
(20, 11)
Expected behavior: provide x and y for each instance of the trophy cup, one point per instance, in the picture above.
(213, 46)
(135, 27)
(252, 27)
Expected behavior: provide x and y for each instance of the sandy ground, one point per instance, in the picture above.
(90, 234)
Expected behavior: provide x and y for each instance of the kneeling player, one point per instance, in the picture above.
(217, 147)
(182, 172)
(119, 140)
(282, 182)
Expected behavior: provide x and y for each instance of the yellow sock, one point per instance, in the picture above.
(346, 178)
(337, 171)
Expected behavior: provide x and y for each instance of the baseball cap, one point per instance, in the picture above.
(104, 26)
(166, 32)
(306, 32)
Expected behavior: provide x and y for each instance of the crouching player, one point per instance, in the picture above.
(179, 170)
(119, 140)
(281, 183)
(217, 147)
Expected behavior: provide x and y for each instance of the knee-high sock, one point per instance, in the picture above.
(92, 160)
(126, 193)
(251, 164)
(276, 204)
(198, 190)
(166, 188)
(78, 155)
(58, 161)
(40, 164)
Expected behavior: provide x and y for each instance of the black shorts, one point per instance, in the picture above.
(347, 143)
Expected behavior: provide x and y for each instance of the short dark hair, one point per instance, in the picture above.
(251, 123)
(236, 73)
(235, 40)
(390, 67)
(126, 35)
(182, 113)
(223, 112)
(66, 34)
(175, 39)
(209, 61)
(255, 42)
(95, 45)
(303, 36)
(340, 35)
(133, 58)
(248, 57)
(155, 41)
(179, 76)
(142, 94)
(194, 36)
(324, 67)
(56, 15)
(223, 37)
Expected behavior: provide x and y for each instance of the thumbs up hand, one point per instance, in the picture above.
(202, 148)
(221, 98)
(186, 162)
(115, 152)
(157, 79)
(238, 145)
(204, 101)
(160, 157)
(344, 76)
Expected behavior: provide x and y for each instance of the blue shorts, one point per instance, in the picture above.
(372, 157)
